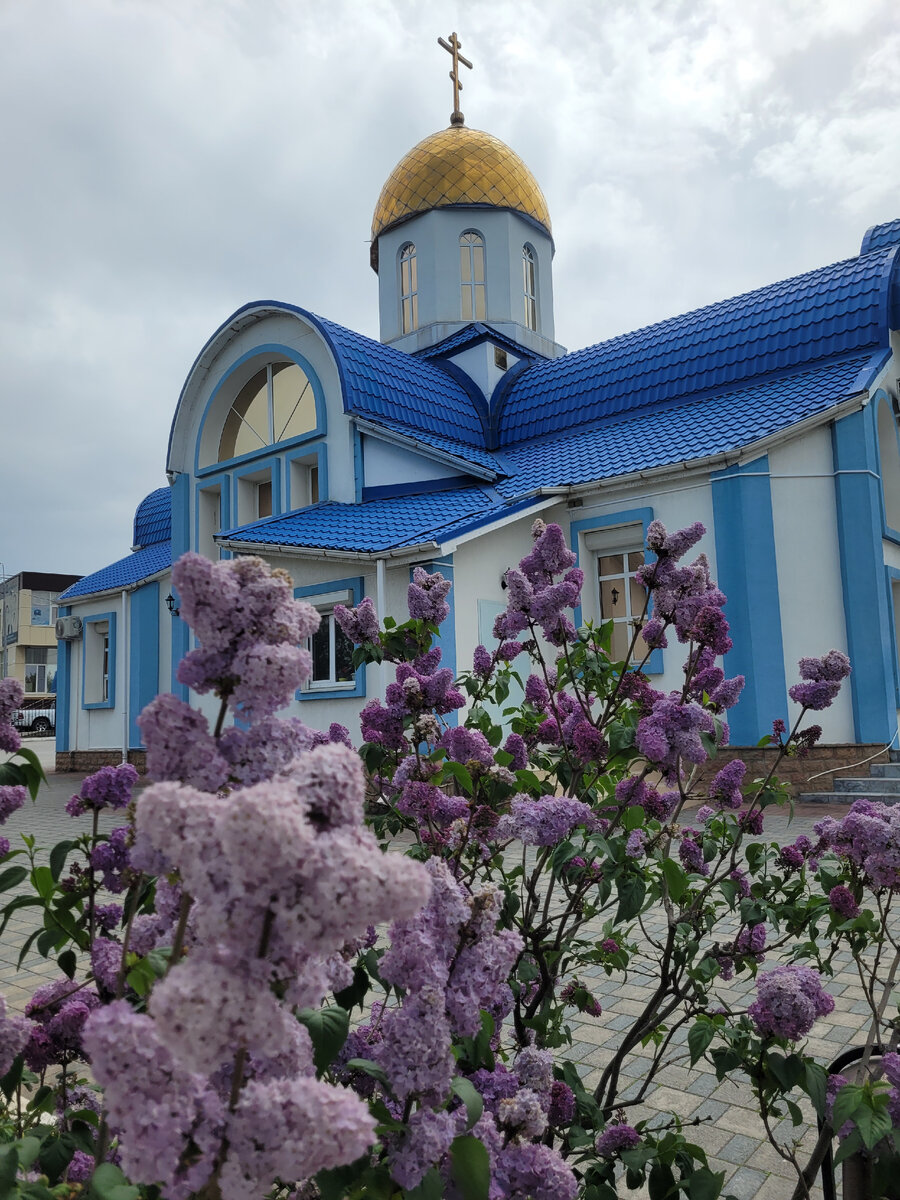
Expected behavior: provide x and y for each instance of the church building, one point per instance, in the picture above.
(770, 417)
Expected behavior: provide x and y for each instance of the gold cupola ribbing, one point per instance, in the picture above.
(458, 166)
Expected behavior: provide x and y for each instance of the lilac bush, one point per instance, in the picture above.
(256, 999)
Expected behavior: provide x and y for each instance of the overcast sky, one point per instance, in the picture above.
(166, 161)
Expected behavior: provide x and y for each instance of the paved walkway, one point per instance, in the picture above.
(729, 1128)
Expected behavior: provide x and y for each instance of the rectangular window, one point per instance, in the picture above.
(209, 520)
(255, 496)
(333, 672)
(622, 599)
(304, 481)
(99, 659)
(40, 669)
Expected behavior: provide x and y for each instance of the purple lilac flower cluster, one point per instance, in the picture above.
(823, 678)
(15, 1032)
(110, 787)
(536, 597)
(790, 999)
(12, 797)
(11, 697)
(544, 822)
(58, 1011)
(285, 873)
(616, 1138)
(868, 837)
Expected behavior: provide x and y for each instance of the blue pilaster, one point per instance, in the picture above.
(143, 673)
(63, 688)
(866, 610)
(747, 574)
(181, 543)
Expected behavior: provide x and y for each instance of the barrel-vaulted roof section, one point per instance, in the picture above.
(153, 518)
(837, 310)
(377, 381)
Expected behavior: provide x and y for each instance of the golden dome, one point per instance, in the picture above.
(458, 165)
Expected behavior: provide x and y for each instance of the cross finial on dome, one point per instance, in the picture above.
(453, 47)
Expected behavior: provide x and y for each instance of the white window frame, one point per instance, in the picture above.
(529, 286)
(409, 289)
(473, 291)
(602, 543)
(324, 605)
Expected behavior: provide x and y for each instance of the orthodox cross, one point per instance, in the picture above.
(453, 47)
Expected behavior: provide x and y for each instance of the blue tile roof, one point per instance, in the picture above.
(380, 381)
(153, 518)
(471, 335)
(678, 433)
(841, 309)
(385, 524)
(880, 236)
(449, 445)
(124, 573)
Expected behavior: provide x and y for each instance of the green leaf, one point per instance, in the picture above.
(815, 1086)
(661, 1182)
(462, 776)
(873, 1125)
(43, 882)
(676, 878)
(367, 1067)
(354, 993)
(849, 1146)
(109, 1183)
(10, 1081)
(12, 877)
(633, 817)
(470, 1168)
(846, 1103)
(328, 1028)
(699, 1037)
(631, 897)
(471, 1098)
(67, 962)
(9, 1168)
(431, 1187)
(58, 857)
(704, 1184)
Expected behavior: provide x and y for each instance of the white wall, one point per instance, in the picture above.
(386, 464)
(808, 561)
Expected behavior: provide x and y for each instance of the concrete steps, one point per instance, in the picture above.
(882, 784)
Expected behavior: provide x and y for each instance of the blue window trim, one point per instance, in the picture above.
(891, 576)
(94, 618)
(321, 453)
(857, 488)
(223, 482)
(266, 353)
(628, 516)
(446, 639)
(356, 585)
(274, 465)
(881, 397)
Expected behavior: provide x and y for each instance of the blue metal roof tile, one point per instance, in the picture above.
(389, 523)
(153, 518)
(838, 309)
(125, 573)
(880, 236)
(676, 433)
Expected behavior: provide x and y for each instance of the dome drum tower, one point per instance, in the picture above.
(461, 233)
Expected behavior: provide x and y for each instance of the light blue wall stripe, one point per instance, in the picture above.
(63, 688)
(143, 675)
(866, 613)
(747, 574)
(181, 543)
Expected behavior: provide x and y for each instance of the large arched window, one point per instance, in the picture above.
(277, 403)
(409, 289)
(529, 270)
(471, 274)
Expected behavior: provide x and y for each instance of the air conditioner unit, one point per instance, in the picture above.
(68, 628)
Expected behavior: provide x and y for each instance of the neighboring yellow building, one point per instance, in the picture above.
(28, 612)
